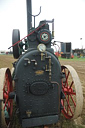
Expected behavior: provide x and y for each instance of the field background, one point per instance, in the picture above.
(79, 65)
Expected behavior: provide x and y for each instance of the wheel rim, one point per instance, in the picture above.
(7, 104)
(72, 106)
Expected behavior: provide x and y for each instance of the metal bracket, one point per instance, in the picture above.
(35, 15)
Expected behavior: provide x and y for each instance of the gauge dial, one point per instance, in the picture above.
(41, 47)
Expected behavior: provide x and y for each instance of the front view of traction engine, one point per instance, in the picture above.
(37, 78)
(40, 87)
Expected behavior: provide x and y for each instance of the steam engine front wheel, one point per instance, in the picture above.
(71, 86)
(6, 104)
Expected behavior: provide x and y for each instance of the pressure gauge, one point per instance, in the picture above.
(41, 47)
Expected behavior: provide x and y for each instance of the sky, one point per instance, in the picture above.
(68, 15)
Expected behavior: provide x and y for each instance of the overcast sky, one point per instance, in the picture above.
(69, 16)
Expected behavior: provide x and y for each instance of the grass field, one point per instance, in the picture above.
(74, 59)
(77, 63)
(6, 61)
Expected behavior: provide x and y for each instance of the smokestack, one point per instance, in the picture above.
(29, 15)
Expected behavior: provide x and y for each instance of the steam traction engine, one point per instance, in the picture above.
(40, 86)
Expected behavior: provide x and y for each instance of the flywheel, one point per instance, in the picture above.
(15, 38)
(6, 104)
(71, 86)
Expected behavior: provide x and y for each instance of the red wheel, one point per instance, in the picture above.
(7, 104)
(71, 86)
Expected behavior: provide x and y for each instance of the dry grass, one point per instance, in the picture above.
(6, 61)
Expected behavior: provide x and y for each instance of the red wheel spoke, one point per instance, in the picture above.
(72, 93)
(5, 91)
(73, 100)
(71, 84)
(5, 104)
(63, 102)
(69, 106)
